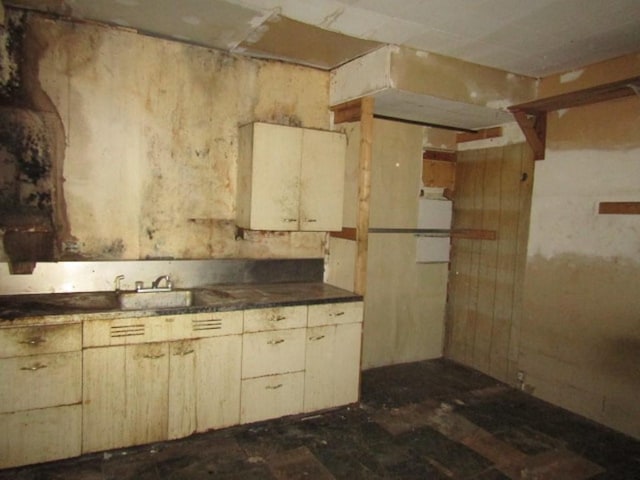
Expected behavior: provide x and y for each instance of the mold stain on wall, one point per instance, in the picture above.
(151, 140)
(32, 138)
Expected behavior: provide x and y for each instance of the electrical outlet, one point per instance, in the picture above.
(520, 376)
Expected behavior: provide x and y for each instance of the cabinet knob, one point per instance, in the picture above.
(33, 368)
(183, 353)
(275, 342)
(154, 357)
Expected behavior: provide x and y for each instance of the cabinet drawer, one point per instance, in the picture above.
(40, 435)
(40, 339)
(335, 313)
(128, 331)
(268, 353)
(277, 318)
(271, 397)
(40, 381)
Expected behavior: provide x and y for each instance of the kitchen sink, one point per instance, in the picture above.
(159, 299)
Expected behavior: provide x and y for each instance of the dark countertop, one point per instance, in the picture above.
(66, 307)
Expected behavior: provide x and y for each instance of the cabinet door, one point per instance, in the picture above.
(335, 313)
(269, 177)
(40, 339)
(125, 395)
(268, 353)
(271, 396)
(332, 375)
(322, 180)
(41, 435)
(39, 381)
(204, 385)
(275, 318)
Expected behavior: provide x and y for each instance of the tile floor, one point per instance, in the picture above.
(425, 420)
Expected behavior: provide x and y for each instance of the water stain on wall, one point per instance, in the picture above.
(580, 336)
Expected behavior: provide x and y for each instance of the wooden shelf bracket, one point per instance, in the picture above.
(532, 116)
(534, 127)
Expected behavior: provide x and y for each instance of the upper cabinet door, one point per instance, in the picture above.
(290, 178)
(269, 177)
(322, 180)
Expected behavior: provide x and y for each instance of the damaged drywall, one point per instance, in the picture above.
(150, 128)
(428, 88)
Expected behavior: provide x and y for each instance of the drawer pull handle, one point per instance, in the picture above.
(279, 318)
(33, 368)
(183, 353)
(275, 342)
(319, 337)
(34, 341)
(290, 220)
(337, 314)
(311, 220)
(154, 357)
(273, 387)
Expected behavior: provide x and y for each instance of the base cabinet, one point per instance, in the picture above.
(106, 384)
(332, 372)
(40, 393)
(147, 392)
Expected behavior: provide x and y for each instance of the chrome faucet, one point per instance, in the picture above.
(156, 283)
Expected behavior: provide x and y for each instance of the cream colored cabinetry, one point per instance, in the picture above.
(290, 178)
(273, 357)
(40, 393)
(332, 370)
(155, 378)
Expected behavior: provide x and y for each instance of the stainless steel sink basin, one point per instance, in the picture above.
(151, 300)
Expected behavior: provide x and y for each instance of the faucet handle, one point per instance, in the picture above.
(117, 281)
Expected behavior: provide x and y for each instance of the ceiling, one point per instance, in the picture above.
(528, 37)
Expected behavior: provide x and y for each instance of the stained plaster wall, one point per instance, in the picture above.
(580, 331)
(404, 300)
(150, 128)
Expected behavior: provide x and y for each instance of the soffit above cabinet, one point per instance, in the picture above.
(411, 85)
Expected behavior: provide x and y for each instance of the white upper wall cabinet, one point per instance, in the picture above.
(290, 178)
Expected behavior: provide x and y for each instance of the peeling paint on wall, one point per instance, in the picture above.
(571, 76)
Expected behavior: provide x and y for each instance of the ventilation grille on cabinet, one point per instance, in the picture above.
(207, 324)
(127, 330)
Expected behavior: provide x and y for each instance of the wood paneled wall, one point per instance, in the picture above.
(493, 192)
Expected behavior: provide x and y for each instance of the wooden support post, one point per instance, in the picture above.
(364, 194)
